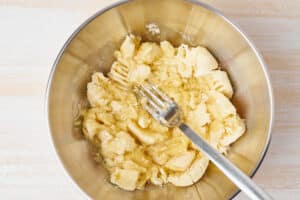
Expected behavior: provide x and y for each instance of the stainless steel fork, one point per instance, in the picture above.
(167, 112)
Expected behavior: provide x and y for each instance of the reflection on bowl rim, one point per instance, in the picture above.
(206, 6)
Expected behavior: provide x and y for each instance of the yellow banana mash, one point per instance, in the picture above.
(137, 150)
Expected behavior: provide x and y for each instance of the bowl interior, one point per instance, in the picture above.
(91, 49)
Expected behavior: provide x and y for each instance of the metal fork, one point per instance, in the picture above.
(167, 112)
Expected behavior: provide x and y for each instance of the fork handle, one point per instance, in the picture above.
(229, 169)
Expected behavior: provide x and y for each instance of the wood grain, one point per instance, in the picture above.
(32, 33)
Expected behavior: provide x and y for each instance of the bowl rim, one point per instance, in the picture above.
(199, 3)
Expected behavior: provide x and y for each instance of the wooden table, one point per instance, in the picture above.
(32, 33)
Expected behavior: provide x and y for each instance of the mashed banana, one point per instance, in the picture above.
(134, 147)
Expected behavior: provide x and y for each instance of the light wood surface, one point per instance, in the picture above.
(32, 33)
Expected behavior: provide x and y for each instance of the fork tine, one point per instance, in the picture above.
(149, 91)
(148, 104)
(155, 107)
(153, 111)
(168, 114)
(160, 93)
(149, 101)
(139, 92)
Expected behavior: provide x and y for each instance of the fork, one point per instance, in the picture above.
(165, 110)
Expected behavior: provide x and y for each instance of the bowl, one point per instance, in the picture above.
(90, 48)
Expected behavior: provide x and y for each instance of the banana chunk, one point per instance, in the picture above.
(199, 116)
(144, 135)
(104, 136)
(138, 73)
(144, 120)
(91, 128)
(216, 131)
(181, 162)
(167, 48)
(148, 53)
(219, 106)
(125, 178)
(129, 46)
(120, 144)
(235, 128)
(192, 175)
(158, 176)
(204, 61)
(219, 81)
(129, 164)
(95, 93)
